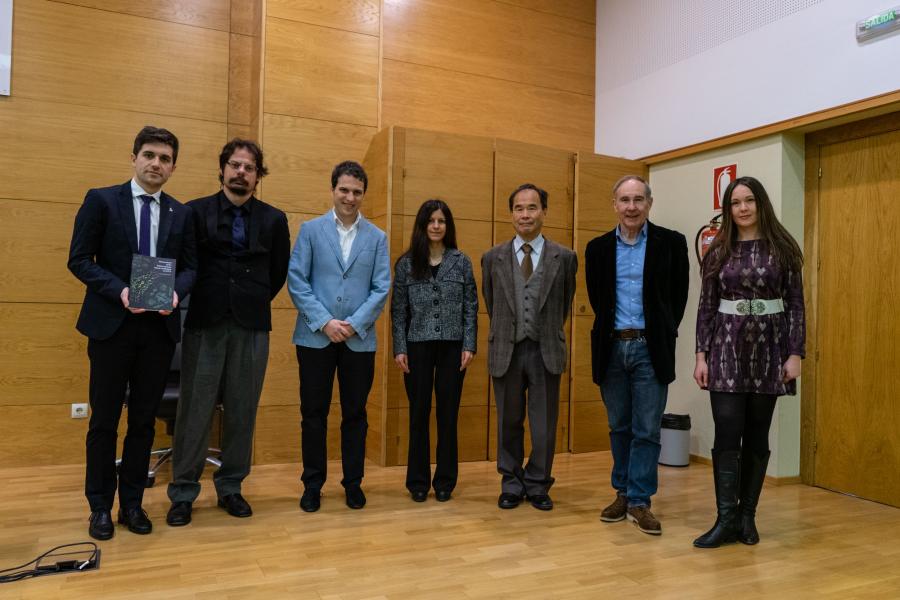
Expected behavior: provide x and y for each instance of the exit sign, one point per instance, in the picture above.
(876, 25)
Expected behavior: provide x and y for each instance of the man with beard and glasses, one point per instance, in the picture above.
(243, 247)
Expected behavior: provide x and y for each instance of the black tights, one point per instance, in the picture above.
(742, 417)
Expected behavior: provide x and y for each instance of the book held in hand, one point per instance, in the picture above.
(152, 282)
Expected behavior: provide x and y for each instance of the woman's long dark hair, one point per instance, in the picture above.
(418, 251)
(781, 243)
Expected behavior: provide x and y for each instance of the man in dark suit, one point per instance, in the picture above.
(528, 285)
(129, 349)
(637, 281)
(243, 247)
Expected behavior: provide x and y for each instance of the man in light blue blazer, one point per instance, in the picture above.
(339, 277)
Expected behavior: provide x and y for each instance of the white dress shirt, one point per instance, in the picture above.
(537, 248)
(136, 192)
(346, 235)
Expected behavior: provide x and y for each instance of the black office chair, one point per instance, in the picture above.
(168, 408)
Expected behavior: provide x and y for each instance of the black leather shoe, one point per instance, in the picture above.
(179, 514)
(508, 500)
(419, 496)
(355, 497)
(442, 495)
(101, 525)
(541, 501)
(311, 500)
(136, 519)
(235, 505)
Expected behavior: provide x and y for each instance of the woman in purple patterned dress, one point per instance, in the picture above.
(750, 339)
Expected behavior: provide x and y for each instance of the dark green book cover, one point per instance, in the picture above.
(152, 282)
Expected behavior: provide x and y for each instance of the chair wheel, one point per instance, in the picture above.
(151, 481)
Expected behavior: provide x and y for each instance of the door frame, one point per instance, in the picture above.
(814, 143)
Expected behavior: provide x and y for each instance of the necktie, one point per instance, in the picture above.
(238, 231)
(144, 234)
(527, 267)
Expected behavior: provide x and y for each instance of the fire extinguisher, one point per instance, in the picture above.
(705, 237)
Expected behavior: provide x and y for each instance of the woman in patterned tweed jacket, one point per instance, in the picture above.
(434, 313)
(750, 339)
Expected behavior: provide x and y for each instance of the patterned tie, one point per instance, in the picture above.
(238, 231)
(527, 267)
(144, 237)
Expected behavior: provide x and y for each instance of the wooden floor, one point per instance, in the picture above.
(815, 544)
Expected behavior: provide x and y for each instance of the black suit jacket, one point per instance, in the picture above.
(242, 285)
(103, 242)
(665, 296)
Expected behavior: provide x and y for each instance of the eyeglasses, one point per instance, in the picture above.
(237, 166)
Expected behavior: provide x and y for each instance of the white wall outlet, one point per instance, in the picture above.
(79, 411)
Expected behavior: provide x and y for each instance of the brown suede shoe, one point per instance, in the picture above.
(615, 511)
(644, 519)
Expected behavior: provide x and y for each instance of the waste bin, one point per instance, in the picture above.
(675, 437)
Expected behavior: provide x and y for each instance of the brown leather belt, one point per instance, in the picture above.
(628, 334)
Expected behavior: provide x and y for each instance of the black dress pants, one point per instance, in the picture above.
(355, 372)
(137, 358)
(433, 365)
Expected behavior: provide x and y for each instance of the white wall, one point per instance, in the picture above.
(672, 74)
(683, 201)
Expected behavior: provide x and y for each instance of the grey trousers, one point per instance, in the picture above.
(526, 373)
(228, 360)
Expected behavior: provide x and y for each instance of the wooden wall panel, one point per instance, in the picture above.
(277, 437)
(243, 95)
(43, 359)
(583, 387)
(562, 432)
(34, 249)
(560, 236)
(590, 429)
(581, 10)
(41, 435)
(45, 434)
(548, 168)
(431, 98)
(321, 73)
(472, 434)
(493, 40)
(208, 14)
(246, 17)
(582, 304)
(40, 138)
(283, 299)
(282, 385)
(455, 168)
(301, 154)
(93, 57)
(360, 16)
(88, 75)
(596, 176)
(378, 163)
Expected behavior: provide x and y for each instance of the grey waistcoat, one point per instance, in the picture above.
(527, 294)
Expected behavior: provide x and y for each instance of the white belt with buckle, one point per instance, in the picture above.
(751, 307)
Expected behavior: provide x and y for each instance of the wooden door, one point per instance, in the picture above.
(857, 420)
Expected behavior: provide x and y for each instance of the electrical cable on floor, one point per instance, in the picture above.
(86, 558)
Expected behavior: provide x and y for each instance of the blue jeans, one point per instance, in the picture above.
(635, 401)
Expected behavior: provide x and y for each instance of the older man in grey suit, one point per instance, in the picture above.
(528, 285)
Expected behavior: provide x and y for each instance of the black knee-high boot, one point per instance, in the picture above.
(727, 477)
(753, 474)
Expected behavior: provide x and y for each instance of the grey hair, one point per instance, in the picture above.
(618, 184)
